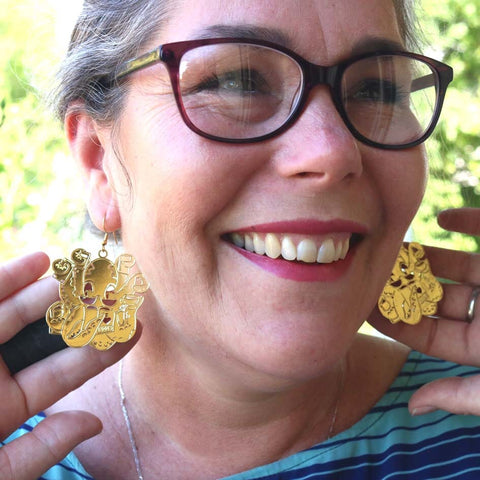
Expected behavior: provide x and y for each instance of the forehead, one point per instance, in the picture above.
(323, 31)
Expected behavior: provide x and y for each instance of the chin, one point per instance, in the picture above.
(299, 355)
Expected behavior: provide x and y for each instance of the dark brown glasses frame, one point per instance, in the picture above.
(171, 54)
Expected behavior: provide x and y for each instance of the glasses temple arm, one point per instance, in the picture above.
(139, 63)
(423, 82)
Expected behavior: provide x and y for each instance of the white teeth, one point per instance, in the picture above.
(307, 251)
(258, 244)
(273, 249)
(289, 251)
(338, 250)
(249, 243)
(326, 253)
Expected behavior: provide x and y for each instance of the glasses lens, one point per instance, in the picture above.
(390, 99)
(238, 91)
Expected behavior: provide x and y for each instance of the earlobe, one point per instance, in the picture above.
(88, 149)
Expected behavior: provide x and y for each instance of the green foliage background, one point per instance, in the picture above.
(40, 199)
(40, 204)
(452, 32)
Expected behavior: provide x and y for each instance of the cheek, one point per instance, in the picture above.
(184, 178)
(175, 175)
(402, 185)
(180, 184)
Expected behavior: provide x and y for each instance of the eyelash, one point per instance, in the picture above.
(394, 93)
(214, 82)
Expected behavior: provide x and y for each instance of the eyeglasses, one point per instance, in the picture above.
(243, 91)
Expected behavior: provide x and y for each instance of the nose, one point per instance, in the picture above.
(319, 148)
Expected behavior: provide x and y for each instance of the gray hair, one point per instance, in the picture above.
(408, 23)
(110, 32)
(106, 34)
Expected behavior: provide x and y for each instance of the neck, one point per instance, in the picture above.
(204, 416)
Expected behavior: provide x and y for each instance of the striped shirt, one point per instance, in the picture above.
(387, 444)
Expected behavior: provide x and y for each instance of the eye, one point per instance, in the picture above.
(377, 90)
(109, 300)
(242, 81)
(88, 298)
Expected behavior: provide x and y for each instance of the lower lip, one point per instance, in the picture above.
(298, 271)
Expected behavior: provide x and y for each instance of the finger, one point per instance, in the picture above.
(461, 267)
(456, 395)
(26, 306)
(40, 385)
(31, 455)
(437, 337)
(455, 302)
(20, 272)
(463, 220)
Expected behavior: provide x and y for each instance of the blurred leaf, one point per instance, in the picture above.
(453, 30)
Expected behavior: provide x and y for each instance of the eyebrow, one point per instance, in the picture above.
(251, 32)
(368, 44)
(377, 44)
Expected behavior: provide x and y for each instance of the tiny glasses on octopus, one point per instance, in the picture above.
(244, 91)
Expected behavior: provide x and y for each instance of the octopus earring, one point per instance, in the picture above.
(412, 290)
(99, 299)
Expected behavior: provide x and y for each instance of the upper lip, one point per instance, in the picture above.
(306, 227)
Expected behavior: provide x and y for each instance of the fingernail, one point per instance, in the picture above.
(422, 410)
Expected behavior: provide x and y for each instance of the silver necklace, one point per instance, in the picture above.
(131, 436)
(337, 401)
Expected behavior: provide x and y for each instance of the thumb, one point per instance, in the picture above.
(455, 395)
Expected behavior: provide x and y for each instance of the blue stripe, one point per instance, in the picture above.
(441, 467)
(406, 459)
(75, 471)
(435, 370)
(460, 435)
(384, 435)
(423, 359)
(461, 475)
(389, 408)
(416, 386)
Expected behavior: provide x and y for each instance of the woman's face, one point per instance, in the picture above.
(314, 184)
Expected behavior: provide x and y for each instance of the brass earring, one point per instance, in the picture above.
(412, 290)
(99, 299)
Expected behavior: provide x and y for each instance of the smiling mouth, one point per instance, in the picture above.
(296, 248)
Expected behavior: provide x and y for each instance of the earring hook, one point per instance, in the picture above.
(103, 252)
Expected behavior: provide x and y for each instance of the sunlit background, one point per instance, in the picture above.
(41, 205)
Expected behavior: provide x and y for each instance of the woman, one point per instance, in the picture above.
(266, 243)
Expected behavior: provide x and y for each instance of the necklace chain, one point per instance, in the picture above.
(131, 436)
(337, 401)
(126, 417)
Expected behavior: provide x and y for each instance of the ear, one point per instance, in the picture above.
(88, 148)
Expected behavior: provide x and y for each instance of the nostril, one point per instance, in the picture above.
(310, 174)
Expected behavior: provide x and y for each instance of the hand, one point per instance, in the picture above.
(449, 336)
(24, 299)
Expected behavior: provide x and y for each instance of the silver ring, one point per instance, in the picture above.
(472, 304)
